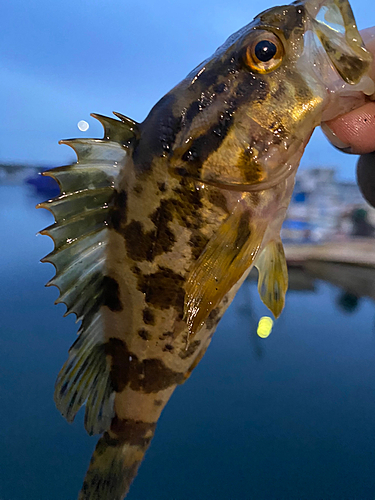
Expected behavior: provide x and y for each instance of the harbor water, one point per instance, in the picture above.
(288, 417)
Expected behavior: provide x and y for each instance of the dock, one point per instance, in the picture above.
(356, 251)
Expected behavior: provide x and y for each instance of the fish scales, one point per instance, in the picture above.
(159, 223)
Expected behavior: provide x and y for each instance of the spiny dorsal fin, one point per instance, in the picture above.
(83, 214)
(227, 256)
(131, 123)
(273, 276)
(122, 132)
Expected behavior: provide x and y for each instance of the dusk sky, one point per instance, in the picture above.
(63, 60)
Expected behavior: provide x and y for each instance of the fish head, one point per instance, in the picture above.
(242, 118)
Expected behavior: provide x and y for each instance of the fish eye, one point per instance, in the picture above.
(265, 50)
(264, 53)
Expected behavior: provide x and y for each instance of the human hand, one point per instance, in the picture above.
(354, 133)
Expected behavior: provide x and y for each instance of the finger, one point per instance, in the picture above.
(368, 37)
(355, 132)
(366, 177)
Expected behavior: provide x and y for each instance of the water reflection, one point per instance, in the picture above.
(287, 417)
(245, 309)
(347, 302)
(353, 281)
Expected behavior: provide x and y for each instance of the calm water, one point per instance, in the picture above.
(288, 417)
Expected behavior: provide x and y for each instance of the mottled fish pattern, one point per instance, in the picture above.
(159, 222)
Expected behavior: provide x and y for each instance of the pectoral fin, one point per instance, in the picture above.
(273, 276)
(225, 259)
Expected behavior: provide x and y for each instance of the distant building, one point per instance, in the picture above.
(322, 208)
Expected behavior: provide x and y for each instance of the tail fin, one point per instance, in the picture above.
(115, 462)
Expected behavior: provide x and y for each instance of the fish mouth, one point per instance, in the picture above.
(338, 45)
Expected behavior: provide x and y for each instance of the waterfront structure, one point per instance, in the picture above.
(325, 209)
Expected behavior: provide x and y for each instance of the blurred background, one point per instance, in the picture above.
(287, 417)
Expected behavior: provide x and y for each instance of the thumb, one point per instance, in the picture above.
(354, 132)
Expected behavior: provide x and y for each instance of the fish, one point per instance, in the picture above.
(159, 223)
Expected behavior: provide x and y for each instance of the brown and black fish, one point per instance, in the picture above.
(159, 222)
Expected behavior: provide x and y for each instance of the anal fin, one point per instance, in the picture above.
(85, 377)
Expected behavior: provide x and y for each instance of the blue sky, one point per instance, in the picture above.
(63, 60)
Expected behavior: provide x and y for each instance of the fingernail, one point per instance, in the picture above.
(334, 140)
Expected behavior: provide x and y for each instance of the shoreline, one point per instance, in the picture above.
(357, 251)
